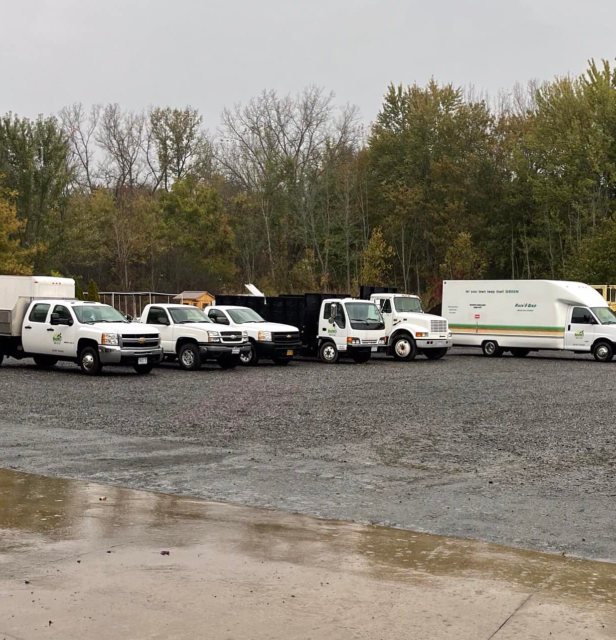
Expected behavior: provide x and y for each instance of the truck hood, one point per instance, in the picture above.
(134, 328)
(269, 326)
(201, 326)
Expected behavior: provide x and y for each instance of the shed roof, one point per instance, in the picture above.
(192, 295)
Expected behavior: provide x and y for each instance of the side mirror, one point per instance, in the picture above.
(164, 321)
(129, 317)
(55, 319)
(333, 312)
(221, 320)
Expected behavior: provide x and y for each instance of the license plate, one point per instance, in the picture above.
(374, 349)
(142, 361)
(290, 352)
(235, 351)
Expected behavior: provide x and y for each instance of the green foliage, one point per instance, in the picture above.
(79, 290)
(462, 260)
(13, 259)
(93, 292)
(377, 260)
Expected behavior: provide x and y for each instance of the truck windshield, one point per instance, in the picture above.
(186, 315)
(408, 305)
(364, 315)
(244, 316)
(87, 314)
(605, 315)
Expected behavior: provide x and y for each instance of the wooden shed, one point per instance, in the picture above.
(200, 299)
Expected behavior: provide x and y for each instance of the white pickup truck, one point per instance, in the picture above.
(269, 340)
(40, 319)
(190, 336)
(409, 330)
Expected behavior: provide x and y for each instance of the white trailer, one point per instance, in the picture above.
(521, 316)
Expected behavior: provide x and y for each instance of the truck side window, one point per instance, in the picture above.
(214, 314)
(581, 316)
(340, 319)
(39, 313)
(63, 312)
(157, 315)
(386, 306)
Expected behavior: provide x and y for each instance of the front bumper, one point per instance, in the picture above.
(121, 356)
(277, 350)
(214, 351)
(431, 343)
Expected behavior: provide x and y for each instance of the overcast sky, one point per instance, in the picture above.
(213, 53)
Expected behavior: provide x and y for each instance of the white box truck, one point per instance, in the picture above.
(40, 319)
(521, 316)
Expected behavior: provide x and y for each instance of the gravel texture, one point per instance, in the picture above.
(516, 451)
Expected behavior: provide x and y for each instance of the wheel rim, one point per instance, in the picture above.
(88, 361)
(246, 357)
(602, 352)
(188, 358)
(490, 348)
(329, 353)
(403, 348)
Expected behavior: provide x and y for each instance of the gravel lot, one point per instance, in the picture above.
(520, 452)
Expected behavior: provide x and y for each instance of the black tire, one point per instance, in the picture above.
(1, 357)
(435, 354)
(520, 353)
(143, 369)
(229, 362)
(189, 357)
(491, 349)
(361, 358)
(251, 358)
(404, 348)
(328, 353)
(45, 362)
(89, 361)
(281, 362)
(603, 351)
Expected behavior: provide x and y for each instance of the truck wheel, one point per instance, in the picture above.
(404, 348)
(491, 349)
(89, 361)
(328, 353)
(189, 356)
(603, 352)
(435, 354)
(251, 358)
(229, 362)
(361, 357)
(143, 369)
(520, 353)
(45, 362)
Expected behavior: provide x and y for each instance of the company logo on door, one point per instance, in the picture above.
(526, 305)
(57, 338)
(579, 334)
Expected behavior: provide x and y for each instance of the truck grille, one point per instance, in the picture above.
(231, 336)
(282, 337)
(142, 340)
(369, 342)
(438, 326)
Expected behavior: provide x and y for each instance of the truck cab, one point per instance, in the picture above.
(91, 334)
(269, 340)
(410, 331)
(188, 334)
(349, 327)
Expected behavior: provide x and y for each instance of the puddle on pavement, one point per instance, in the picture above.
(36, 512)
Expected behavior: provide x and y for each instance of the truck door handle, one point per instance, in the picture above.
(27, 327)
(50, 329)
(569, 329)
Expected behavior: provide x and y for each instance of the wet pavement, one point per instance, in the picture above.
(84, 561)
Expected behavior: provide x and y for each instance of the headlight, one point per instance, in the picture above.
(420, 334)
(214, 336)
(110, 339)
(353, 341)
(266, 336)
(244, 336)
(383, 340)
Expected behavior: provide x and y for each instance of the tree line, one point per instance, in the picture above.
(293, 194)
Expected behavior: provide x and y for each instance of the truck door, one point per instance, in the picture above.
(580, 330)
(387, 312)
(158, 317)
(62, 340)
(37, 332)
(334, 328)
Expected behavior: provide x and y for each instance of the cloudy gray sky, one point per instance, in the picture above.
(212, 53)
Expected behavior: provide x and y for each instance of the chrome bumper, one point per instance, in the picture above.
(120, 355)
(432, 343)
